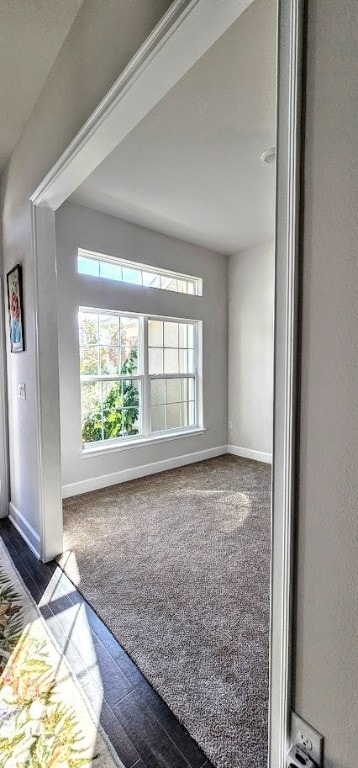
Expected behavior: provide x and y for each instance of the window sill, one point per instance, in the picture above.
(98, 450)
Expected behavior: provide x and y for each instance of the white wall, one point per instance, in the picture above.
(101, 42)
(76, 227)
(250, 329)
(326, 667)
(4, 478)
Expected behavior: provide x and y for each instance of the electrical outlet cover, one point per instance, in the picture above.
(297, 758)
(307, 738)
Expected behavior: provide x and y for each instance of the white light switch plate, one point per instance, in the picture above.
(21, 391)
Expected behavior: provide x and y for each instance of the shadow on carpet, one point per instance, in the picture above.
(177, 565)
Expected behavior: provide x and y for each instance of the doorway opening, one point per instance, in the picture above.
(61, 184)
(165, 262)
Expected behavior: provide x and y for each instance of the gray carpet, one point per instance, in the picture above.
(177, 565)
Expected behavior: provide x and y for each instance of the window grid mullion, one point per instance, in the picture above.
(99, 360)
(198, 357)
(146, 384)
(166, 402)
(172, 375)
(102, 419)
(88, 379)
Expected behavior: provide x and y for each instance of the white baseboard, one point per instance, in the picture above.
(94, 483)
(248, 453)
(25, 530)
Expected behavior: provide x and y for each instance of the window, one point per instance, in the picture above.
(139, 375)
(111, 400)
(172, 374)
(99, 265)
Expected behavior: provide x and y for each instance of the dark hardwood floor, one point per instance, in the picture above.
(142, 729)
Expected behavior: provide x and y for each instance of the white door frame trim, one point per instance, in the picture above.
(186, 31)
(47, 381)
(290, 44)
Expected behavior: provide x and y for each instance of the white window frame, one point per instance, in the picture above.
(161, 272)
(145, 378)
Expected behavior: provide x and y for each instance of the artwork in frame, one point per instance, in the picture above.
(14, 293)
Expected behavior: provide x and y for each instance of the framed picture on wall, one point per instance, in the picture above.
(14, 294)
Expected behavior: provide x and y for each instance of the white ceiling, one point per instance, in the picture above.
(31, 35)
(191, 168)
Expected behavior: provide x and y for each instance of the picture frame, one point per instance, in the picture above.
(15, 307)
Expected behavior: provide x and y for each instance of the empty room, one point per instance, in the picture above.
(165, 296)
(178, 403)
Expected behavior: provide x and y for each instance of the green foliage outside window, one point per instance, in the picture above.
(118, 414)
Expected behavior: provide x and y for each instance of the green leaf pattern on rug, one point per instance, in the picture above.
(36, 729)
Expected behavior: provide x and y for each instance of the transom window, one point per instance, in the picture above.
(139, 375)
(111, 268)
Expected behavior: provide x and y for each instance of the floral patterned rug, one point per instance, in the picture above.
(45, 720)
